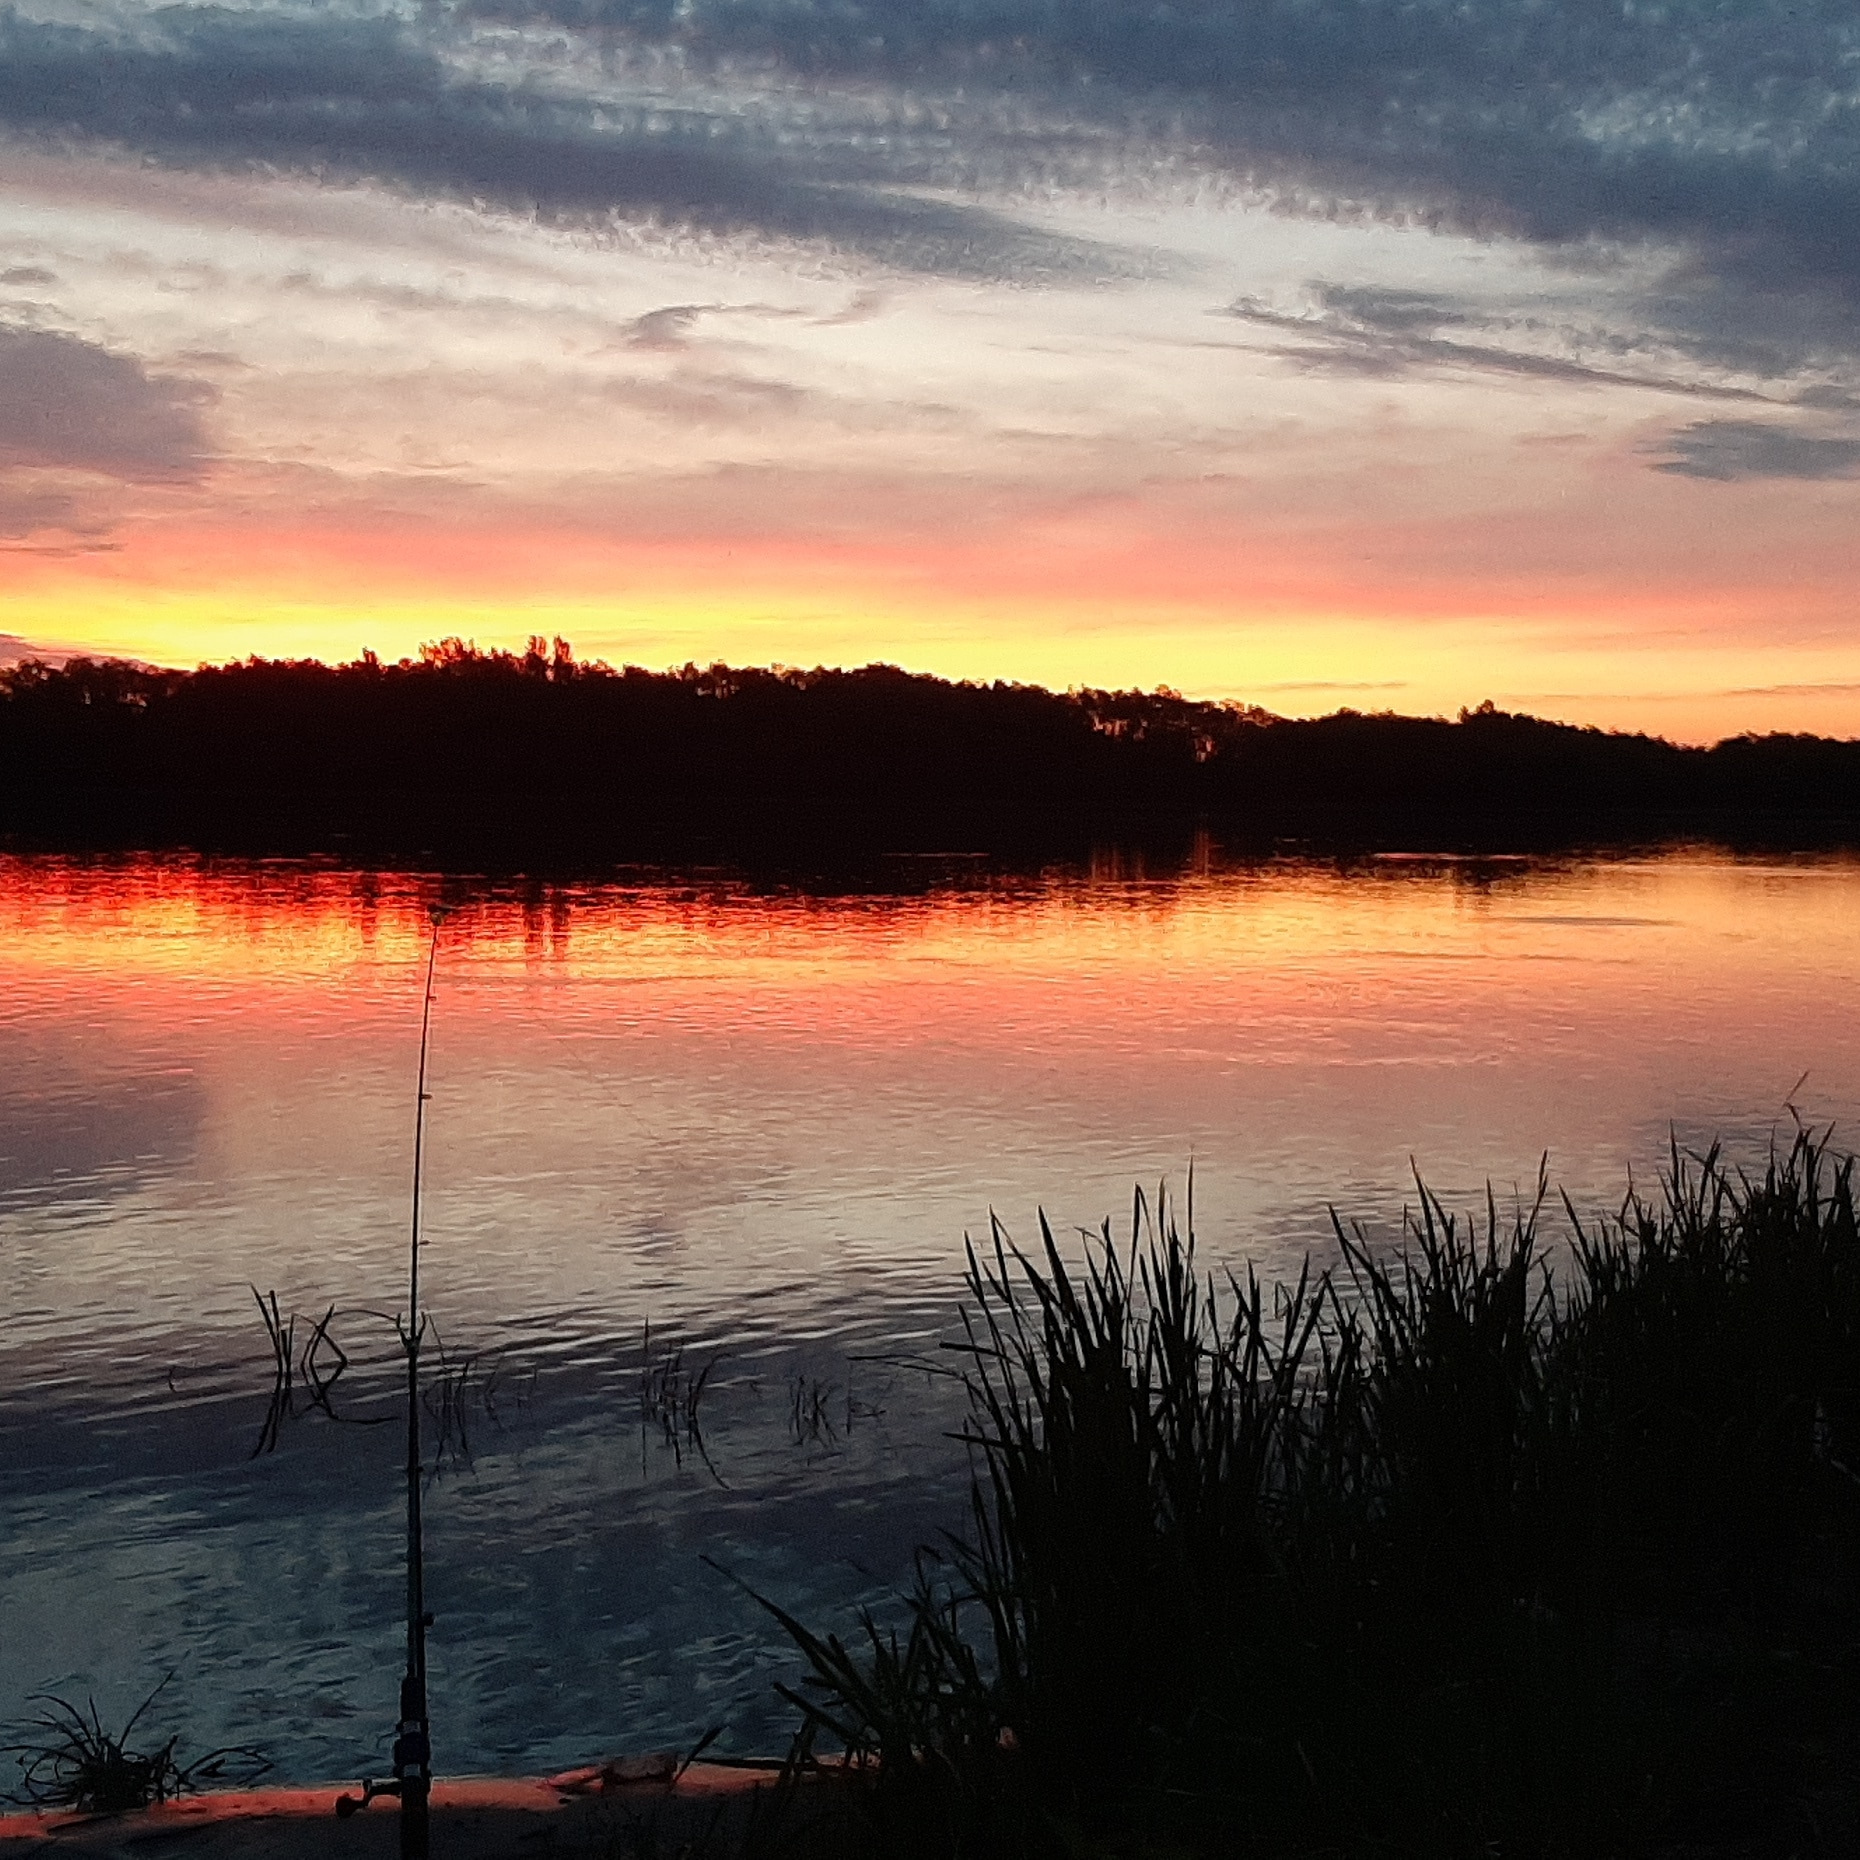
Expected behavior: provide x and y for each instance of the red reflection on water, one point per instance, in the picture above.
(699, 1089)
(1278, 961)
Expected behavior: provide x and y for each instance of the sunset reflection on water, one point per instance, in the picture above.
(674, 1048)
(763, 1118)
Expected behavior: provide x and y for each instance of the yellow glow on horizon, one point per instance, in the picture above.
(959, 612)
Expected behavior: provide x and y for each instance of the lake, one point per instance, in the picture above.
(686, 1121)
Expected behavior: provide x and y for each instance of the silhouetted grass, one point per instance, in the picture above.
(1436, 1554)
(67, 1759)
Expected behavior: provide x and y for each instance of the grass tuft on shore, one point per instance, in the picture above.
(69, 1759)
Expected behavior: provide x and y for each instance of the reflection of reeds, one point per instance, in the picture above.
(282, 1333)
(458, 1388)
(291, 1367)
(502, 1384)
(448, 1397)
(1432, 1555)
(671, 1396)
(810, 1411)
(823, 1413)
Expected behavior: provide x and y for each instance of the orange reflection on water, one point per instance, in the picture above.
(1430, 945)
(762, 1087)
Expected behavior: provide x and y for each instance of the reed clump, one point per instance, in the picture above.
(1440, 1553)
(69, 1759)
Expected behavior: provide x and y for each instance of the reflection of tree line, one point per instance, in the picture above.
(470, 747)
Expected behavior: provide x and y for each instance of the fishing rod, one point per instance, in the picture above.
(412, 1780)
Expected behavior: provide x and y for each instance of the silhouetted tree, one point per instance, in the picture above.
(464, 747)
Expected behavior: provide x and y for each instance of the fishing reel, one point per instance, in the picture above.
(347, 1805)
(412, 1780)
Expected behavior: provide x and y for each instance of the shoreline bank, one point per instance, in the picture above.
(644, 1804)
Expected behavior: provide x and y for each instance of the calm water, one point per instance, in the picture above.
(762, 1123)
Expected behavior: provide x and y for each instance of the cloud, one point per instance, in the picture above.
(1831, 688)
(1730, 450)
(13, 649)
(1663, 118)
(30, 509)
(17, 275)
(1725, 138)
(697, 399)
(1336, 684)
(864, 307)
(666, 330)
(1386, 334)
(374, 97)
(71, 405)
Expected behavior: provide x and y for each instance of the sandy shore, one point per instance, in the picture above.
(618, 1809)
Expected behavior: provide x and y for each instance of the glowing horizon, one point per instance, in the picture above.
(1569, 663)
(1048, 393)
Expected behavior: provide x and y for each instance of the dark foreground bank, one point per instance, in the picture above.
(524, 761)
(703, 1809)
(1432, 1557)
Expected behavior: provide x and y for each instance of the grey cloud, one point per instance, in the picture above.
(666, 329)
(72, 405)
(1729, 135)
(17, 275)
(1663, 118)
(372, 97)
(1729, 450)
(1382, 334)
(864, 307)
(1829, 399)
(1391, 312)
(34, 510)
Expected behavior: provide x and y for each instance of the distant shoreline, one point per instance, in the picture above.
(534, 762)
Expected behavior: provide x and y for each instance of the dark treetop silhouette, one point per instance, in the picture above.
(537, 755)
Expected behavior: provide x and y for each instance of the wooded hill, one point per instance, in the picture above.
(516, 757)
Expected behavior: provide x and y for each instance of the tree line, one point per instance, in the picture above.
(492, 753)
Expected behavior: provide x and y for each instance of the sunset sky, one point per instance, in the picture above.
(1310, 352)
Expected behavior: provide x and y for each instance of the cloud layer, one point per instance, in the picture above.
(377, 98)
(1731, 134)
(1383, 334)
